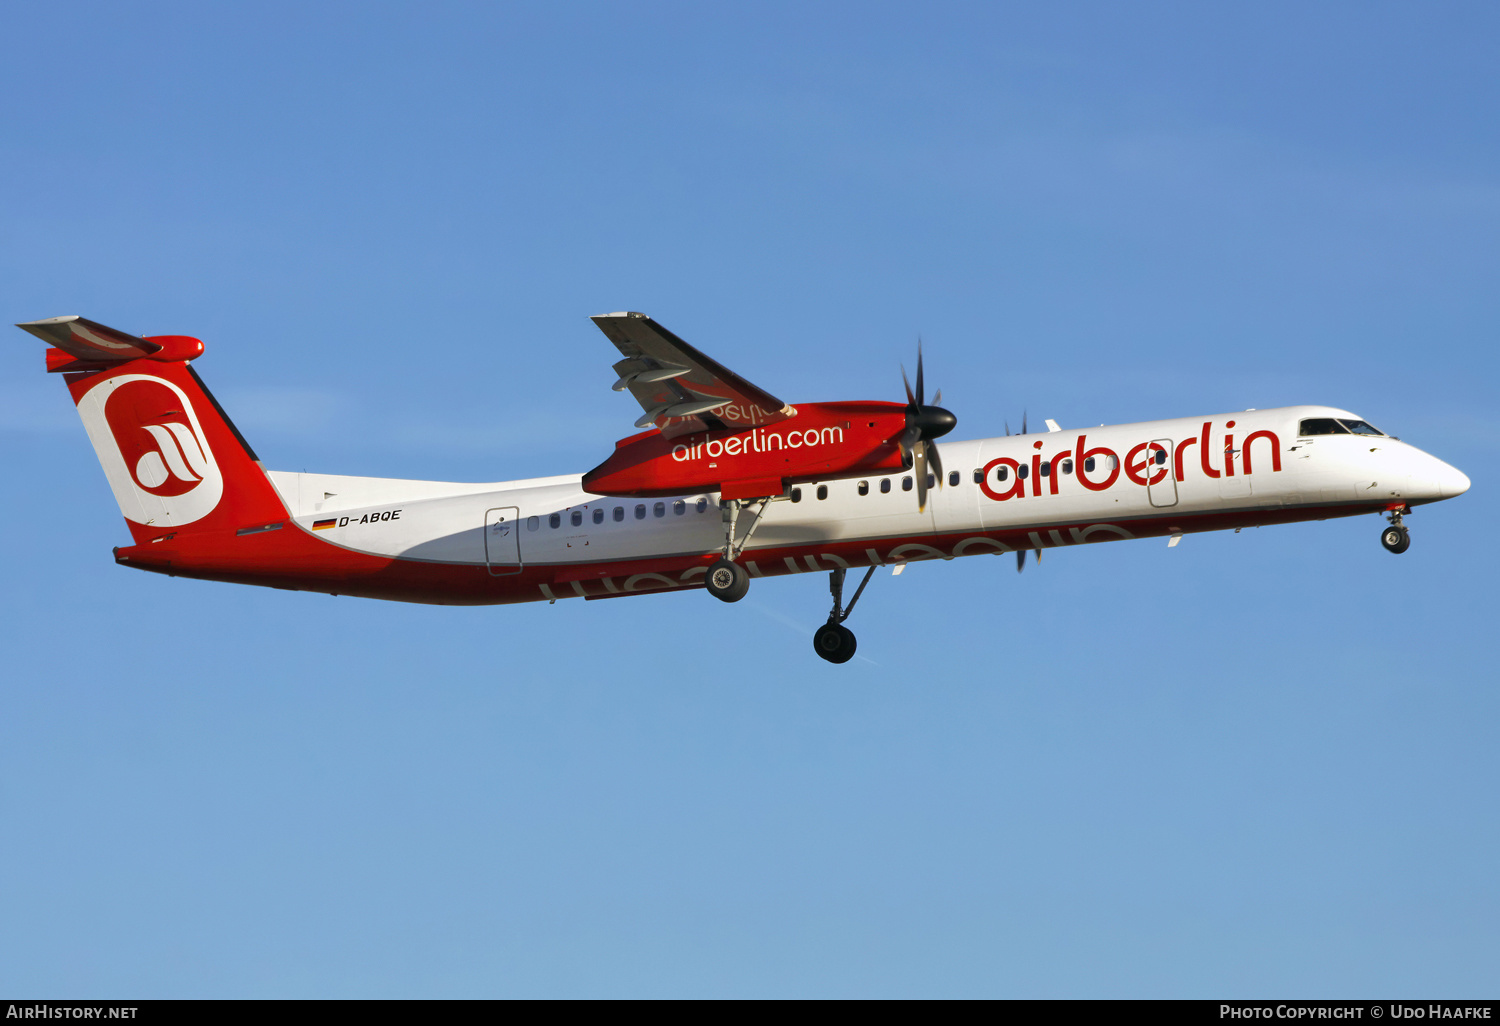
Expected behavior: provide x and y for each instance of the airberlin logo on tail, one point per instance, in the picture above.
(177, 463)
(153, 449)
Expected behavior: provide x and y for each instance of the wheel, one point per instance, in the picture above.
(1395, 539)
(834, 642)
(727, 581)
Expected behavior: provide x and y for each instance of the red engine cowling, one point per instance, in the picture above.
(824, 441)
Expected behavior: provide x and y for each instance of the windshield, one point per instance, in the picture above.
(1342, 426)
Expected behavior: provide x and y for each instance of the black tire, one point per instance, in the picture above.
(834, 642)
(727, 581)
(1395, 539)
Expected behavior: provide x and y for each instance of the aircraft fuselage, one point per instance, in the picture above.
(548, 538)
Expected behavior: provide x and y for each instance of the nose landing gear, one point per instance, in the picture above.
(833, 641)
(1395, 537)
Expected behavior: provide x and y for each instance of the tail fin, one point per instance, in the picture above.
(173, 459)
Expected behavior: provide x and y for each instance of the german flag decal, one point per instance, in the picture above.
(323, 525)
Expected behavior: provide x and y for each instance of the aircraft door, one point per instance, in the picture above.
(502, 540)
(1161, 484)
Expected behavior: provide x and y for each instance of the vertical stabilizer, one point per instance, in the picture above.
(173, 459)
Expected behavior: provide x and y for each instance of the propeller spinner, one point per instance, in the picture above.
(924, 424)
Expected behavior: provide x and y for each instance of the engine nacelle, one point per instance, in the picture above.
(823, 442)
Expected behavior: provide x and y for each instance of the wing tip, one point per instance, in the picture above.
(49, 320)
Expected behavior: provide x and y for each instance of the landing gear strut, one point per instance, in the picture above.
(726, 580)
(1395, 537)
(833, 641)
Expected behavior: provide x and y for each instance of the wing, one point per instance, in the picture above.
(681, 390)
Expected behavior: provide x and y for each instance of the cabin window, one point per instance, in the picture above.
(931, 481)
(1002, 473)
(577, 518)
(702, 503)
(1022, 471)
(1322, 426)
(532, 523)
(906, 484)
(1047, 468)
(1359, 427)
(953, 479)
(978, 475)
(599, 516)
(640, 511)
(554, 520)
(864, 488)
(659, 510)
(796, 494)
(619, 513)
(679, 508)
(1161, 457)
(1067, 466)
(885, 485)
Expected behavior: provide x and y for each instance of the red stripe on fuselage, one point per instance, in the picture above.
(294, 559)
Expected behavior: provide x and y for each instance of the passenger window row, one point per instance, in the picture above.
(658, 509)
(907, 484)
(1064, 466)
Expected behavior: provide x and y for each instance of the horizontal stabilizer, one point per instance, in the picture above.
(90, 340)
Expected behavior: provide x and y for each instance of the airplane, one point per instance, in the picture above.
(724, 483)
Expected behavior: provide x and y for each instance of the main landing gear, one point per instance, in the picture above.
(726, 580)
(833, 641)
(1395, 537)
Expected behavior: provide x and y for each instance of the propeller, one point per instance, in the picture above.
(1021, 553)
(924, 424)
(1021, 558)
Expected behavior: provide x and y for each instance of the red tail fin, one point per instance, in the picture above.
(172, 457)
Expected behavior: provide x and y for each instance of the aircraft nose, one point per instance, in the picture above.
(1451, 481)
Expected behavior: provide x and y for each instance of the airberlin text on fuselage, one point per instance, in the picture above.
(758, 440)
(1145, 463)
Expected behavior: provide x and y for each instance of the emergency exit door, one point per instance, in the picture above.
(1161, 483)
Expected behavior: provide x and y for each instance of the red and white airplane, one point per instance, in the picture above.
(724, 484)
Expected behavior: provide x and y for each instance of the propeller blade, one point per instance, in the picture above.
(1007, 429)
(921, 393)
(1023, 422)
(1020, 560)
(936, 461)
(908, 440)
(937, 400)
(911, 400)
(919, 467)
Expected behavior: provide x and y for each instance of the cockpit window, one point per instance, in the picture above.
(1342, 426)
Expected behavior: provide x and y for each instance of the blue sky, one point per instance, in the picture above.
(1255, 764)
